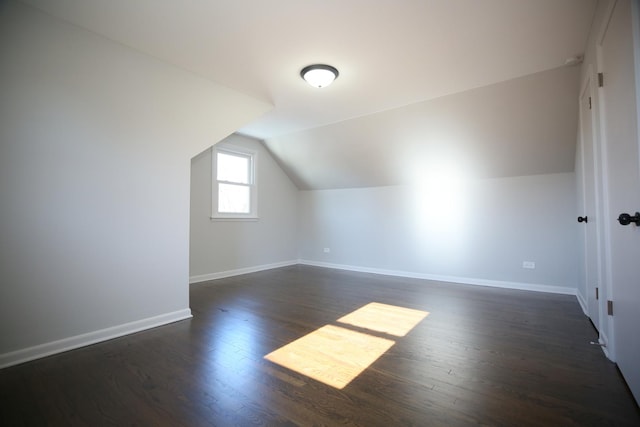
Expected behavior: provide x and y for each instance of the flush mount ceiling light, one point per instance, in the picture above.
(319, 75)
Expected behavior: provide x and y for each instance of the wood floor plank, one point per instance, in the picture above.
(482, 356)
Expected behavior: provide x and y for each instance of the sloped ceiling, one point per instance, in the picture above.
(399, 58)
(524, 126)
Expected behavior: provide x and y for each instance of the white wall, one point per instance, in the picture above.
(482, 235)
(221, 247)
(96, 141)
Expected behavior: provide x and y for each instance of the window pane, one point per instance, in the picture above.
(234, 198)
(233, 168)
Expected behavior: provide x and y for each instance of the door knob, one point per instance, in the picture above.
(583, 219)
(626, 219)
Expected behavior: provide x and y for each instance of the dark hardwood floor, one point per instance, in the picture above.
(483, 356)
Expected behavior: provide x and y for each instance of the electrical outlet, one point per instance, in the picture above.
(528, 264)
(326, 250)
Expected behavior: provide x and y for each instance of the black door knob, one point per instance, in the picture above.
(583, 219)
(626, 219)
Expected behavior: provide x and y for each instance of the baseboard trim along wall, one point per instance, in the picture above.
(70, 343)
(583, 303)
(603, 339)
(54, 347)
(450, 279)
(240, 271)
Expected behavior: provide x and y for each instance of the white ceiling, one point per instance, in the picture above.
(405, 67)
(390, 53)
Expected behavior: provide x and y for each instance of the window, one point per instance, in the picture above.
(234, 185)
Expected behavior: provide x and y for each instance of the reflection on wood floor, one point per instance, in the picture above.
(481, 356)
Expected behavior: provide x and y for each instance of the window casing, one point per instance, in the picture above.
(234, 189)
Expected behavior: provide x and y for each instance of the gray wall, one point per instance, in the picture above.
(484, 232)
(95, 148)
(218, 247)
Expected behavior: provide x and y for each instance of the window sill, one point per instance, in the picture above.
(239, 218)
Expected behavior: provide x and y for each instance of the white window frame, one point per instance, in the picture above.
(253, 187)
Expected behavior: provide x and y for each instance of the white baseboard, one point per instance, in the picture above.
(583, 303)
(603, 339)
(450, 279)
(239, 271)
(59, 346)
(70, 343)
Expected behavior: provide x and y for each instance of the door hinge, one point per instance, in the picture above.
(597, 294)
(589, 103)
(610, 307)
(600, 79)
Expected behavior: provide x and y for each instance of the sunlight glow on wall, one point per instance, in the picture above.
(336, 355)
(440, 198)
(441, 194)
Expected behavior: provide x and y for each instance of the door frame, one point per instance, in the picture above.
(607, 330)
(607, 323)
(596, 216)
(635, 30)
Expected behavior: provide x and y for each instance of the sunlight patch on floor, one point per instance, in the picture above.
(331, 354)
(389, 319)
(336, 355)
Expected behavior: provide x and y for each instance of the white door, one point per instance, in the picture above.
(622, 181)
(588, 217)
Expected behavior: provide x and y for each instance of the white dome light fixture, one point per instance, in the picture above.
(319, 75)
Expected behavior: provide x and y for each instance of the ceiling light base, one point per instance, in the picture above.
(319, 75)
